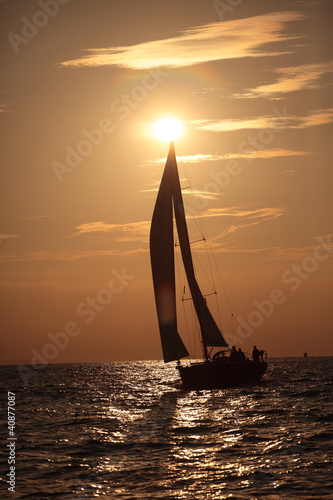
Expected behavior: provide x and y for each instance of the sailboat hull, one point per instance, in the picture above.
(221, 373)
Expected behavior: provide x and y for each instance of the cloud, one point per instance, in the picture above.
(69, 256)
(320, 117)
(316, 117)
(245, 218)
(293, 79)
(52, 285)
(134, 231)
(241, 212)
(184, 159)
(200, 158)
(240, 218)
(207, 195)
(230, 125)
(281, 254)
(210, 42)
(139, 231)
(35, 217)
(4, 236)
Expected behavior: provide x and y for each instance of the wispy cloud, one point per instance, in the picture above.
(237, 218)
(204, 194)
(50, 285)
(4, 236)
(35, 217)
(316, 117)
(297, 253)
(292, 79)
(242, 212)
(210, 42)
(276, 253)
(319, 117)
(230, 125)
(245, 218)
(70, 255)
(138, 232)
(200, 158)
(133, 231)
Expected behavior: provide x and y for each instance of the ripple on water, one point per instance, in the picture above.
(124, 430)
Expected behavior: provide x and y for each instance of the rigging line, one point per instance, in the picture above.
(199, 222)
(182, 285)
(220, 278)
(201, 227)
(209, 252)
(211, 255)
(204, 295)
(208, 247)
(193, 208)
(195, 218)
(242, 330)
(211, 271)
(198, 219)
(198, 216)
(191, 242)
(197, 260)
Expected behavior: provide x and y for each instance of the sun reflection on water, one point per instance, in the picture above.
(205, 444)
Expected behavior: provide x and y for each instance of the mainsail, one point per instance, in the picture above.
(162, 260)
(163, 268)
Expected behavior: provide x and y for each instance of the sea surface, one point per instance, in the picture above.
(127, 431)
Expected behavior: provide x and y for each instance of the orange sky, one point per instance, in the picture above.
(81, 83)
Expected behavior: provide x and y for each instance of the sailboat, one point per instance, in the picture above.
(221, 369)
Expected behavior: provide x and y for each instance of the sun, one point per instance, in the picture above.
(168, 129)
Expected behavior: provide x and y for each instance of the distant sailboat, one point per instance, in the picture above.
(220, 370)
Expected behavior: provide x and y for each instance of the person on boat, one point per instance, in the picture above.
(241, 355)
(233, 352)
(255, 354)
(261, 355)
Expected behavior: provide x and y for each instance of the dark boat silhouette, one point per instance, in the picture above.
(219, 370)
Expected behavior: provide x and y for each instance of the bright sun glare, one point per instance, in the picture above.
(168, 129)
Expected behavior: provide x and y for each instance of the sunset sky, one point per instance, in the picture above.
(82, 83)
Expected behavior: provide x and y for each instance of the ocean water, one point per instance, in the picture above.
(127, 431)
